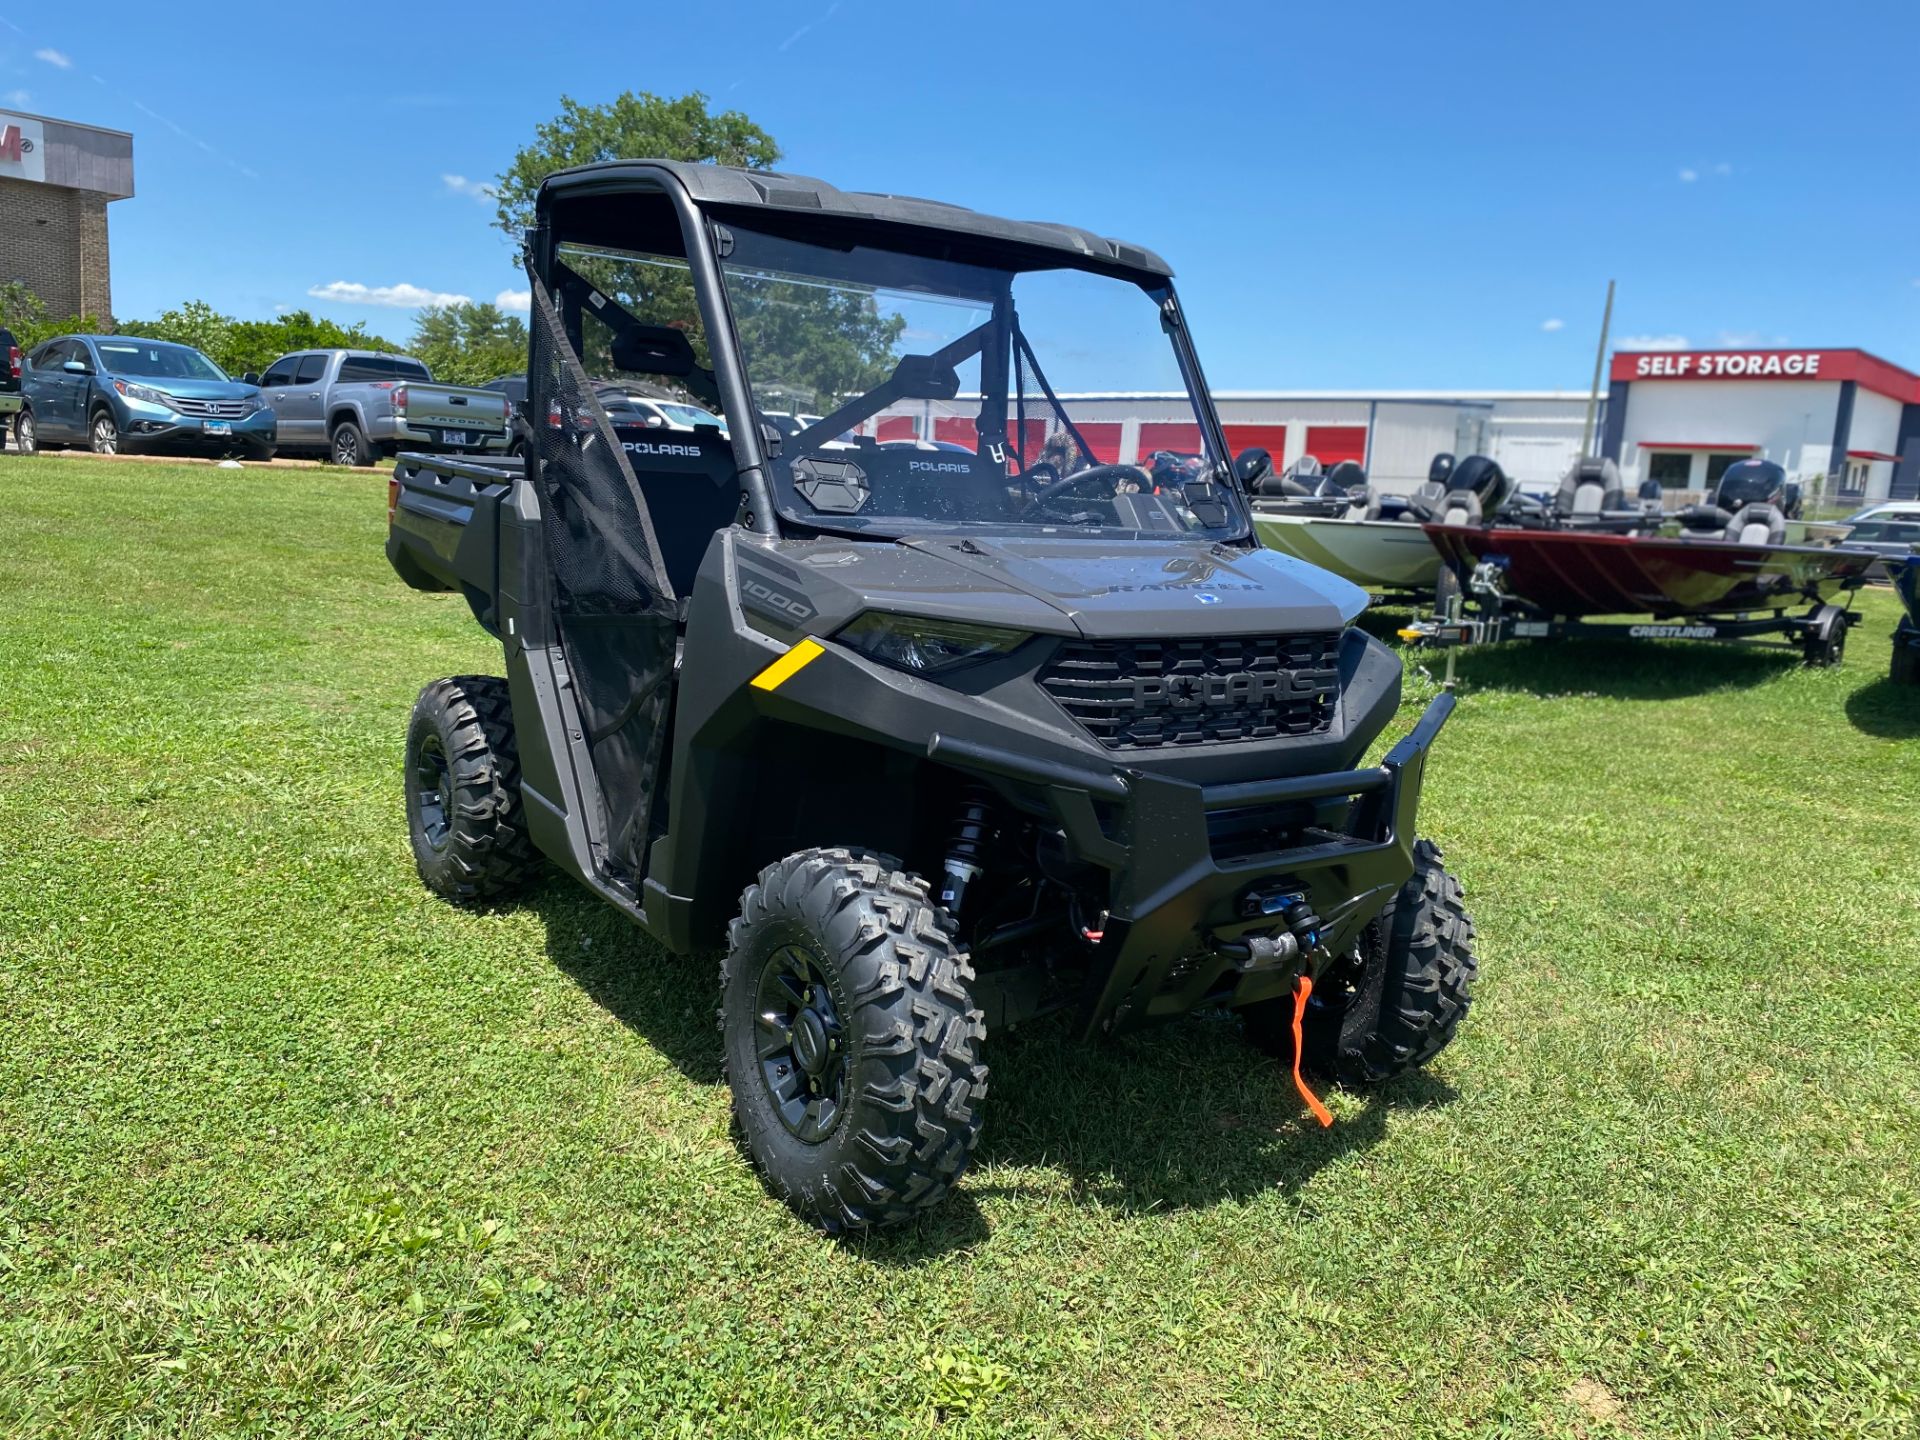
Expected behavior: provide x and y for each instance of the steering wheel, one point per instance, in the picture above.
(1116, 474)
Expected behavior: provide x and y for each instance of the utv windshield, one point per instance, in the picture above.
(910, 392)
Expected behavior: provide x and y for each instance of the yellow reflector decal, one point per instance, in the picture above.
(788, 665)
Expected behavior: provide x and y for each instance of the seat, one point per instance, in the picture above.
(1591, 488)
(1458, 507)
(690, 496)
(1758, 525)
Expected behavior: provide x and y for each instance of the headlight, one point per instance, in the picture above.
(926, 647)
(144, 393)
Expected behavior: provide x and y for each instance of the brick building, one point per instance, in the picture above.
(56, 181)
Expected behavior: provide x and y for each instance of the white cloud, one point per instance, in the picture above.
(1723, 168)
(519, 300)
(1652, 342)
(1687, 177)
(397, 297)
(473, 189)
(54, 58)
(1740, 339)
(18, 97)
(1552, 325)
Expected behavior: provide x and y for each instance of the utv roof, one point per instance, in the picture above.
(722, 185)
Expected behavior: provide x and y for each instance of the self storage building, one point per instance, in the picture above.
(1839, 420)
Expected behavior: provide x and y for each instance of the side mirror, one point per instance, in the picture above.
(1253, 466)
(77, 367)
(654, 422)
(249, 378)
(921, 377)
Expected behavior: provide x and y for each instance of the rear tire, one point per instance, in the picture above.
(464, 816)
(347, 445)
(26, 435)
(852, 1041)
(1400, 1004)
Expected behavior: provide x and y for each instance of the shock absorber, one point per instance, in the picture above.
(967, 847)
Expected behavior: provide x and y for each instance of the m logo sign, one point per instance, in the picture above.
(22, 149)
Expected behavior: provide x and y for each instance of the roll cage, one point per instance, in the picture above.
(681, 211)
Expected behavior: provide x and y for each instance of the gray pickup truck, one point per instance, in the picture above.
(355, 405)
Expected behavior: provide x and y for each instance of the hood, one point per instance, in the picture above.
(1131, 589)
(191, 389)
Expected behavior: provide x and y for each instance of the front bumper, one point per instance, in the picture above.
(1174, 894)
(150, 429)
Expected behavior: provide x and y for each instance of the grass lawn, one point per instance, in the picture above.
(289, 1147)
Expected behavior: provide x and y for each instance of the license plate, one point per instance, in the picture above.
(455, 437)
(217, 427)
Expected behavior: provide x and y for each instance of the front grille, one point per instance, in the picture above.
(1132, 694)
(213, 409)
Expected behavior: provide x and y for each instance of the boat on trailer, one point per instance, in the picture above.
(1727, 575)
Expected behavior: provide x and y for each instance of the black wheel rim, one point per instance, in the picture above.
(343, 449)
(433, 791)
(800, 1041)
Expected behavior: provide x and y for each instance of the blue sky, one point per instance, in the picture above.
(1354, 196)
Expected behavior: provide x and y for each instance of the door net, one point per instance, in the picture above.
(617, 614)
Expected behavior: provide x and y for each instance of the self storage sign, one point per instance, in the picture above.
(1730, 365)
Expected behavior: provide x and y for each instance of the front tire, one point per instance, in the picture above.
(464, 816)
(103, 433)
(852, 1041)
(1397, 1003)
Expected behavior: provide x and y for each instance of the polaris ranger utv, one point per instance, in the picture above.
(940, 711)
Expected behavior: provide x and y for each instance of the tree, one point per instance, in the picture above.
(629, 127)
(243, 346)
(470, 344)
(25, 314)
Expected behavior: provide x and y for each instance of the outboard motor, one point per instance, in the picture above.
(1589, 490)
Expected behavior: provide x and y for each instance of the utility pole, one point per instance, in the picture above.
(1599, 364)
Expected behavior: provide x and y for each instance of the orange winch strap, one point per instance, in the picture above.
(1301, 990)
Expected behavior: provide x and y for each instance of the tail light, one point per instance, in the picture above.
(393, 496)
(399, 397)
(13, 361)
(553, 414)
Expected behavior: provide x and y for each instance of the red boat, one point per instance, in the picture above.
(1574, 573)
(1728, 575)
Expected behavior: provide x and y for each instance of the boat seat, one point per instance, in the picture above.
(1591, 488)
(1458, 507)
(1758, 525)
